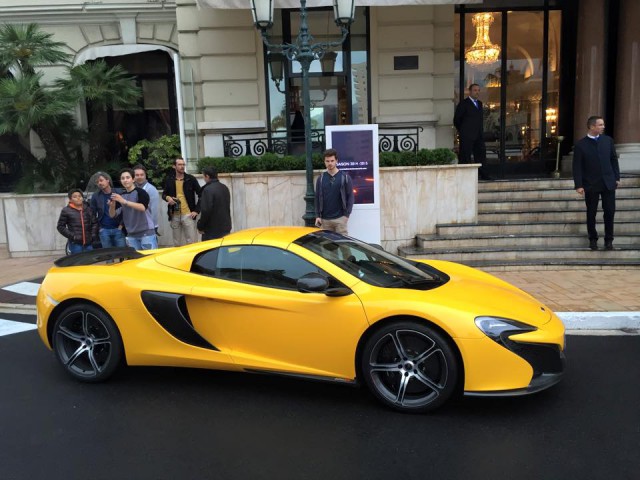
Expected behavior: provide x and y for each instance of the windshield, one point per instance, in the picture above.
(371, 264)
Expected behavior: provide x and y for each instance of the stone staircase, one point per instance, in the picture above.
(535, 223)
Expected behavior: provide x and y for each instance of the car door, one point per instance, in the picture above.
(246, 302)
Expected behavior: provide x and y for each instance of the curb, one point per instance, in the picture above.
(600, 320)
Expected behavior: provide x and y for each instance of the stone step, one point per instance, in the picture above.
(526, 184)
(553, 264)
(550, 204)
(545, 184)
(622, 253)
(556, 215)
(627, 193)
(528, 228)
(4, 251)
(535, 224)
(538, 241)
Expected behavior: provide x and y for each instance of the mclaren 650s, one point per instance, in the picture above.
(302, 302)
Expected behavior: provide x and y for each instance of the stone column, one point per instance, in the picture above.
(590, 64)
(627, 107)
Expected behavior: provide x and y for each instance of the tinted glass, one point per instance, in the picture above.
(266, 266)
(371, 264)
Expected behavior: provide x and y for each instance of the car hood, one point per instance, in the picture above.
(486, 295)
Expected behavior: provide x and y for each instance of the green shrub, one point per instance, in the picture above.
(270, 162)
(157, 156)
(389, 159)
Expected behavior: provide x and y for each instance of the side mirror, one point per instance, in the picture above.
(313, 283)
(317, 283)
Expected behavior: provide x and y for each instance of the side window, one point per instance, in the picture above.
(205, 263)
(266, 266)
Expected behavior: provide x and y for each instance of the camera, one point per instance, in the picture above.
(176, 206)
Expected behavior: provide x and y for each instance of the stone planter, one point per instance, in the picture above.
(413, 200)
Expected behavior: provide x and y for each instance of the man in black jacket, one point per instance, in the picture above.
(596, 175)
(179, 191)
(469, 121)
(215, 207)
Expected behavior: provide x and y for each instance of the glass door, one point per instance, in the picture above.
(514, 58)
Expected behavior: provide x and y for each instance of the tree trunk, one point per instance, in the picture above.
(56, 157)
(26, 158)
(97, 138)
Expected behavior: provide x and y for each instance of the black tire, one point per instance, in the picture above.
(409, 367)
(87, 343)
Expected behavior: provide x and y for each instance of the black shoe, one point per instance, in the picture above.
(593, 244)
(608, 245)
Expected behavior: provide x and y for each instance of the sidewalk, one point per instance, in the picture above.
(570, 290)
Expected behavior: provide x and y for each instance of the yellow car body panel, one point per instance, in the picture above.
(267, 328)
(258, 328)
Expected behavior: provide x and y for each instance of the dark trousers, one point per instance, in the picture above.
(591, 199)
(472, 146)
(479, 151)
(213, 235)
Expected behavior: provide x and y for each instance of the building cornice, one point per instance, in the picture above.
(87, 12)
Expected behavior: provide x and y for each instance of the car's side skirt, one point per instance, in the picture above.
(319, 378)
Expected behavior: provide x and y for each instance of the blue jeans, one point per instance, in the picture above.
(77, 248)
(146, 242)
(112, 237)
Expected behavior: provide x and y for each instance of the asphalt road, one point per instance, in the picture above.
(169, 423)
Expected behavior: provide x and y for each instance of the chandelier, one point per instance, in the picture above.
(482, 51)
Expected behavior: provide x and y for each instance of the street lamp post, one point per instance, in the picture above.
(304, 51)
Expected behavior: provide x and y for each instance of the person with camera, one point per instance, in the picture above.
(133, 204)
(109, 229)
(179, 191)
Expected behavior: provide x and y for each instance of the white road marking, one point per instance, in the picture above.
(8, 327)
(24, 288)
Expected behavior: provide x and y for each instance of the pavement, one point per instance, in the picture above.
(584, 298)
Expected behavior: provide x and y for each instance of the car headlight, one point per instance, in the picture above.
(500, 329)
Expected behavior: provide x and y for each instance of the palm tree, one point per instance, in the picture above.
(102, 87)
(23, 47)
(25, 104)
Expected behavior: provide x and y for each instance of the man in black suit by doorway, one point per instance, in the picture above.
(596, 175)
(468, 120)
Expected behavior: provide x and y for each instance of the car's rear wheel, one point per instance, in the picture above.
(87, 343)
(410, 367)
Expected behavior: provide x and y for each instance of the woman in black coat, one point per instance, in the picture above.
(78, 223)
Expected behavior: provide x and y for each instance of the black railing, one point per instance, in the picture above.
(399, 139)
(259, 143)
(390, 139)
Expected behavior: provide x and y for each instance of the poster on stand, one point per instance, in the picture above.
(357, 147)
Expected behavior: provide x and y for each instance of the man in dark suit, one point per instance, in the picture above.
(468, 120)
(596, 175)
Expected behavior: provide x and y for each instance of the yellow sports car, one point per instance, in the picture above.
(302, 302)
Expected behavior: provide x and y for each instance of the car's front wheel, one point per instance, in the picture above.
(410, 367)
(87, 343)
